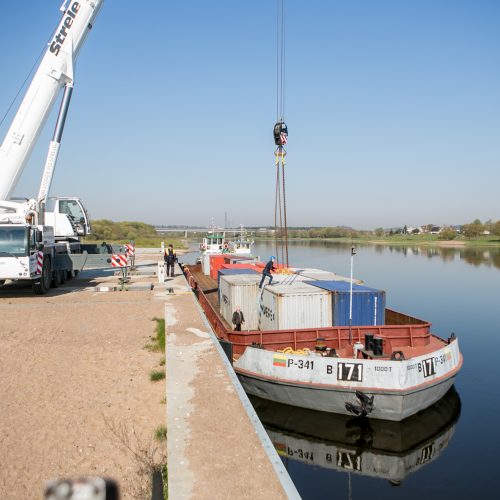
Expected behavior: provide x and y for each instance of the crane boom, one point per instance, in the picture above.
(55, 71)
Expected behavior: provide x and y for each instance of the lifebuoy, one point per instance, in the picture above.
(203, 247)
(226, 246)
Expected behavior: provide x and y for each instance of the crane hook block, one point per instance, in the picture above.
(280, 134)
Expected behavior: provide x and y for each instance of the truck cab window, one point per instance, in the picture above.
(71, 208)
(13, 241)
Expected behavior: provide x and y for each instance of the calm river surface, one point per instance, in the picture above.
(446, 452)
(450, 451)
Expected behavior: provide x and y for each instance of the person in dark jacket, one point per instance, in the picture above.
(238, 319)
(170, 257)
(266, 272)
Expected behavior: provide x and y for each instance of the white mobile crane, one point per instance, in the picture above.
(38, 235)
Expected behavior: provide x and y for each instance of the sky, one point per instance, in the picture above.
(392, 107)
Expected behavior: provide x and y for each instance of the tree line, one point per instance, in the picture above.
(122, 232)
(474, 229)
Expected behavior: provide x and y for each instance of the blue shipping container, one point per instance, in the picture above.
(368, 304)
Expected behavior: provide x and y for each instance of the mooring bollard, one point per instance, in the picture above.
(161, 272)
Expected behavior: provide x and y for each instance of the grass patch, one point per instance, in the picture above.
(156, 375)
(161, 433)
(158, 341)
(164, 473)
(162, 361)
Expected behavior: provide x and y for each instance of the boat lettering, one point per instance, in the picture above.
(301, 363)
(348, 461)
(300, 453)
(225, 299)
(427, 367)
(426, 454)
(350, 372)
(383, 368)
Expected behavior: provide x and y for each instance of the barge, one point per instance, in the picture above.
(389, 368)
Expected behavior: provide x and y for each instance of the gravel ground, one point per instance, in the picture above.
(75, 394)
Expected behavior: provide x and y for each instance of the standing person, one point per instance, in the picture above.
(170, 257)
(238, 319)
(266, 272)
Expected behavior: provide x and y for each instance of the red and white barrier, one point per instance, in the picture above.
(118, 260)
(39, 262)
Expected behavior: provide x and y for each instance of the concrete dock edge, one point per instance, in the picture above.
(215, 439)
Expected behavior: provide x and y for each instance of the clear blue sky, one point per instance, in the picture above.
(393, 109)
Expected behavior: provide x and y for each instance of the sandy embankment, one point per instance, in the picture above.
(75, 393)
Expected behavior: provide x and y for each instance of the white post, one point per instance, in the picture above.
(161, 272)
(353, 253)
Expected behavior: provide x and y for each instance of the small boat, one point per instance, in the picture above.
(388, 370)
(214, 242)
(242, 245)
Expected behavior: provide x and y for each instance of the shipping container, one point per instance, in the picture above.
(241, 266)
(205, 263)
(368, 304)
(298, 305)
(233, 259)
(234, 271)
(240, 290)
(320, 274)
(262, 265)
(216, 262)
(243, 290)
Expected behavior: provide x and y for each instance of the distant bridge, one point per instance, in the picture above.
(193, 230)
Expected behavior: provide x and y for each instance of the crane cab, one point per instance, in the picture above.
(68, 216)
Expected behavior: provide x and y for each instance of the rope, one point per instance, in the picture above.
(280, 219)
(288, 350)
(284, 211)
(276, 242)
(23, 84)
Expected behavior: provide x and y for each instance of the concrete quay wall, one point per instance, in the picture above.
(217, 447)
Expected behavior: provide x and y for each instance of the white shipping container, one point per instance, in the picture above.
(205, 263)
(298, 305)
(319, 274)
(239, 290)
(243, 290)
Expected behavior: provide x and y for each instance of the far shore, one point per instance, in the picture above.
(401, 242)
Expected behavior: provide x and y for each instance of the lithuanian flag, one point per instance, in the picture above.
(279, 360)
(281, 449)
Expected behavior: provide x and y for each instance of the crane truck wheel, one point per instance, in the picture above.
(55, 281)
(42, 285)
(58, 278)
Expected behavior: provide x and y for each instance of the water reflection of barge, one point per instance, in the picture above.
(329, 368)
(376, 448)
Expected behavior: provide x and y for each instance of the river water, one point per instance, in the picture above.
(448, 451)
